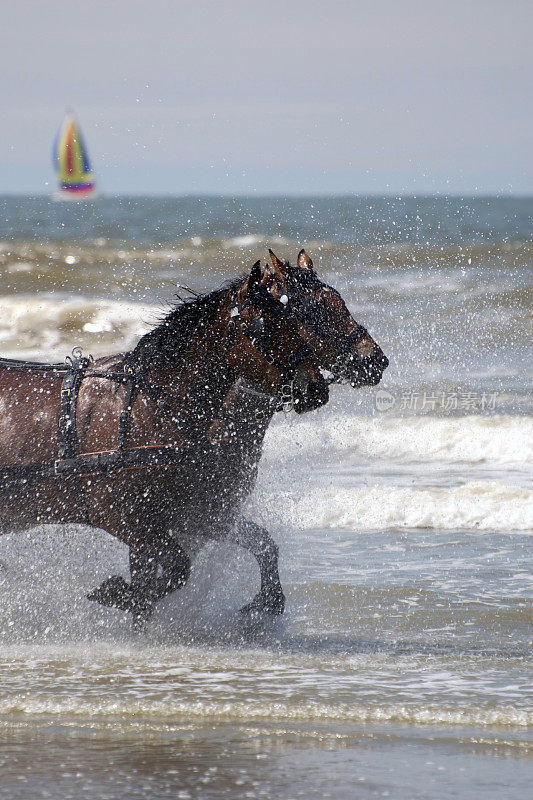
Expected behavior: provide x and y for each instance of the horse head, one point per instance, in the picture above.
(341, 345)
(265, 344)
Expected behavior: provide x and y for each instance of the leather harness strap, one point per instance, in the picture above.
(67, 434)
(91, 464)
(69, 463)
(132, 388)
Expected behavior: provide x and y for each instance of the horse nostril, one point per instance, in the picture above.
(383, 362)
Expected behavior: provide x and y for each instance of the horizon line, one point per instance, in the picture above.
(284, 195)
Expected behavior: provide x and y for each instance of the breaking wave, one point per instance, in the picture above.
(498, 439)
(38, 327)
(484, 506)
(374, 473)
(171, 710)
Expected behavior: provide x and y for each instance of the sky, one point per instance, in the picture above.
(284, 97)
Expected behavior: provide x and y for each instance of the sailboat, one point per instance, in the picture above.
(71, 162)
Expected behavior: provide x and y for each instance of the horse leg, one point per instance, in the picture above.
(114, 592)
(156, 571)
(260, 543)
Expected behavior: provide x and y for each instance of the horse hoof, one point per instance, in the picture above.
(114, 592)
(140, 622)
(266, 602)
(252, 609)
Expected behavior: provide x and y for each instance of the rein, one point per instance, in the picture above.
(306, 310)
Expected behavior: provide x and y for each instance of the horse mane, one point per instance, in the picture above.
(164, 343)
(304, 278)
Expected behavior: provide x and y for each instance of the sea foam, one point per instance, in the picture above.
(499, 439)
(40, 328)
(478, 505)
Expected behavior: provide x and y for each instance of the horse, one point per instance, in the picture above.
(342, 347)
(119, 443)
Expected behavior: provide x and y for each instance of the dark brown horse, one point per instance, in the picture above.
(343, 348)
(140, 465)
(233, 442)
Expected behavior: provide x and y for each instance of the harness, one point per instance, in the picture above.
(339, 368)
(256, 332)
(309, 313)
(69, 463)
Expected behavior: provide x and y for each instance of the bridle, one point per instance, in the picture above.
(340, 366)
(306, 310)
(256, 331)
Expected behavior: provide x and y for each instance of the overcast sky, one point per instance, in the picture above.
(284, 96)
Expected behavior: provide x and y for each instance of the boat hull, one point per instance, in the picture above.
(74, 197)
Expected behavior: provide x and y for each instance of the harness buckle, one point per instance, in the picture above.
(76, 360)
(287, 397)
(58, 463)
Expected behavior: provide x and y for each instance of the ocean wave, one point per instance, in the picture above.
(463, 257)
(478, 505)
(471, 439)
(172, 710)
(36, 327)
(393, 256)
(249, 240)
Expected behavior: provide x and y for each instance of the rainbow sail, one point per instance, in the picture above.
(71, 162)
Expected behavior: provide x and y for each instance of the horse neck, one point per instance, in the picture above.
(202, 378)
(199, 380)
(243, 418)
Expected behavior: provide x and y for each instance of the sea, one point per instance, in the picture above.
(403, 513)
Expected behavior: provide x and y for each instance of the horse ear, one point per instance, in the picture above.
(255, 276)
(278, 266)
(304, 261)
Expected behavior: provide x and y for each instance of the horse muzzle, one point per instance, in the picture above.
(313, 395)
(367, 371)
